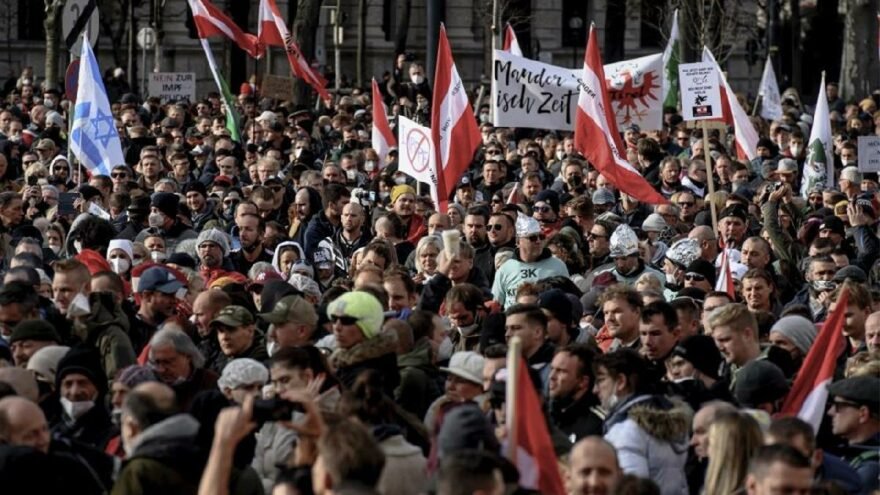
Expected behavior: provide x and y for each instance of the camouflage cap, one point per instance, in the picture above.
(234, 317)
(292, 308)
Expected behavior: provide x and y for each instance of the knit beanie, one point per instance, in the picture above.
(797, 329)
(399, 190)
(40, 330)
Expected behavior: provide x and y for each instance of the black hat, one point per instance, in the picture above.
(465, 428)
(863, 390)
(197, 187)
(834, 224)
(167, 203)
(85, 361)
(88, 192)
(556, 302)
(700, 351)
(550, 197)
(182, 259)
(40, 330)
(851, 272)
(702, 267)
(759, 382)
(140, 204)
(767, 143)
(734, 211)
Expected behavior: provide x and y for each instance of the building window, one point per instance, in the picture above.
(30, 21)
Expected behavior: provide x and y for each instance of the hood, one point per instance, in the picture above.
(664, 419)
(104, 313)
(171, 437)
(74, 226)
(276, 261)
(380, 345)
(419, 357)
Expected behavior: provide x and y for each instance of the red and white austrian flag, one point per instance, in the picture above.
(211, 21)
(382, 139)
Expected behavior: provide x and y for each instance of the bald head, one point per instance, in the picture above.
(872, 332)
(437, 223)
(708, 242)
(162, 395)
(22, 422)
(594, 467)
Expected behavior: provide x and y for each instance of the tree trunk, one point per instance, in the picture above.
(52, 24)
(690, 31)
(858, 67)
(305, 26)
(361, 42)
(115, 24)
(402, 27)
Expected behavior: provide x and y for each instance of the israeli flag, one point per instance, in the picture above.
(94, 140)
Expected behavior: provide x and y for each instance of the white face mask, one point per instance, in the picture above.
(116, 417)
(156, 220)
(120, 265)
(271, 348)
(78, 246)
(55, 249)
(351, 174)
(444, 351)
(796, 150)
(158, 256)
(400, 179)
(417, 79)
(467, 329)
(369, 165)
(560, 155)
(297, 152)
(76, 410)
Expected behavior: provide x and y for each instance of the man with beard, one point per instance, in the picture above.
(203, 216)
(475, 232)
(307, 203)
(501, 232)
(157, 288)
(348, 239)
(325, 222)
(177, 362)
(493, 178)
(250, 231)
(212, 246)
(573, 407)
(732, 226)
(670, 177)
(403, 202)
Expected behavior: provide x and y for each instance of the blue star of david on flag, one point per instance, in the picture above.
(94, 140)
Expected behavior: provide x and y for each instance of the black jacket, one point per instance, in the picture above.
(577, 418)
(435, 289)
(93, 428)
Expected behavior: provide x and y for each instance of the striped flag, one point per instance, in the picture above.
(671, 59)
(809, 392)
(725, 278)
(211, 21)
(273, 32)
(510, 43)
(744, 132)
(452, 121)
(595, 131)
(383, 139)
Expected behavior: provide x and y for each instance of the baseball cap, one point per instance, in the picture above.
(292, 308)
(467, 365)
(45, 144)
(234, 317)
(159, 279)
(268, 117)
(833, 224)
(603, 196)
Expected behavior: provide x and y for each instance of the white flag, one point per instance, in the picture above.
(819, 165)
(771, 103)
(416, 156)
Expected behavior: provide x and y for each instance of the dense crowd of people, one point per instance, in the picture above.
(290, 314)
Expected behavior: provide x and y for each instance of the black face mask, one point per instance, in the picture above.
(352, 144)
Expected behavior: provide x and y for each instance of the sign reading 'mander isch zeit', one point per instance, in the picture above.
(532, 94)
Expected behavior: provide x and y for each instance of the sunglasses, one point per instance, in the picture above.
(497, 201)
(694, 277)
(591, 236)
(119, 175)
(344, 320)
(686, 203)
(494, 226)
(535, 238)
(839, 404)
(543, 209)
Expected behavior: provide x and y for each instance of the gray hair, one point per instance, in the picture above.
(180, 342)
(258, 268)
(431, 240)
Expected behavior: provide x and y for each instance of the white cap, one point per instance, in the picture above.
(467, 365)
(267, 116)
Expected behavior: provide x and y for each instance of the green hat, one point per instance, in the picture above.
(234, 317)
(292, 308)
(363, 306)
(40, 330)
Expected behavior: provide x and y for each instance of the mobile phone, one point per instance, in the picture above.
(274, 410)
(65, 203)
(32, 180)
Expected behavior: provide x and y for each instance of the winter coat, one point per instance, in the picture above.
(178, 232)
(632, 277)
(650, 434)
(257, 352)
(377, 353)
(319, 228)
(200, 380)
(405, 467)
(164, 460)
(92, 428)
(274, 446)
(516, 272)
(282, 246)
(418, 380)
(577, 418)
(106, 329)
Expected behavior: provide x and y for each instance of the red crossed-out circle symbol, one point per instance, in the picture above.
(418, 149)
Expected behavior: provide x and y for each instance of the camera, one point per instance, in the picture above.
(32, 180)
(274, 410)
(363, 197)
(774, 186)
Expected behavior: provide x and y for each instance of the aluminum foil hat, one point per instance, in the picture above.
(684, 252)
(526, 226)
(624, 242)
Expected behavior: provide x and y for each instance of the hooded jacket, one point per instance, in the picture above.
(516, 272)
(106, 328)
(377, 353)
(650, 434)
(276, 258)
(164, 459)
(418, 380)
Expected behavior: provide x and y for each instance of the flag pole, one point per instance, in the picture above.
(710, 181)
(755, 106)
(514, 356)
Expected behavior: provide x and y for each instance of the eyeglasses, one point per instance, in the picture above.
(694, 277)
(534, 238)
(494, 226)
(591, 236)
(344, 320)
(686, 203)
(543, 209)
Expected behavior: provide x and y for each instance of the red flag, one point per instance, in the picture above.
(452, 121)
(534, 447)
(809, 392)
(273, 32)
(510, 43)
(743, 131)
(211, 21)
(596, 135)
(383, 138)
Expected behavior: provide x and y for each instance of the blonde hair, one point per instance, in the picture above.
(863, 364)
(736, 316)
(733, 440)
(649, 281)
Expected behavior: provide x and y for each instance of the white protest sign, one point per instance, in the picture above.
(869, 153)
(700, 92)
(416, 155)
(527, 93)
(170, 86)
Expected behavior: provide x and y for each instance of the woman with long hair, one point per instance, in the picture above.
(733, 440)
